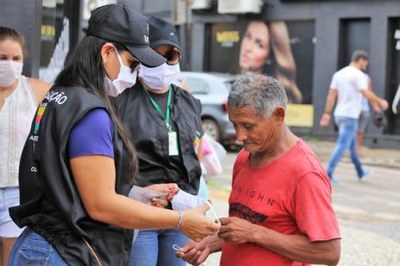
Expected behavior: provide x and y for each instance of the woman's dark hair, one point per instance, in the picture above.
(85, 69)
(9, 33)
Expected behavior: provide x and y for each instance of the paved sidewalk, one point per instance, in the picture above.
(369, 156)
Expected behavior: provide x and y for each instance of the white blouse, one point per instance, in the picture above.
(16, 117)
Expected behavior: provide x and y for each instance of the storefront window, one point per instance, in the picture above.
(89, 5)
(393, 80)
(61, 30)
(54, 39)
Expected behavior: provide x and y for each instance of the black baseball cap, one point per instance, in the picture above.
(162, 32)
(118, 23)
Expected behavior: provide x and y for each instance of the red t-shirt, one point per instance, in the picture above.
(291, 195)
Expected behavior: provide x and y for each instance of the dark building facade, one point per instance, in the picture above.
(321, 35)
(51, 29)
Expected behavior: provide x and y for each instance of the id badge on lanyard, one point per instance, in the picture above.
(173, 149)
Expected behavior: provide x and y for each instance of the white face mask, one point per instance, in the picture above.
(9, 72)
(125, 79)
(180, 80)
(160, 77)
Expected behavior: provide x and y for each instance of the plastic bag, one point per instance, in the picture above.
(213, 154)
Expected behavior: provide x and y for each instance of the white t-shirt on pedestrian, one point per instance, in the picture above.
(365, 102)
(349, 81)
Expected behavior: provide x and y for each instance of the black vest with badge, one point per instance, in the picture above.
(50, 204)
(150, 136)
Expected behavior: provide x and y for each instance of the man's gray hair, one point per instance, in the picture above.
(260, 92)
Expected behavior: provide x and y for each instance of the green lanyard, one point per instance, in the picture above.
(158, 108)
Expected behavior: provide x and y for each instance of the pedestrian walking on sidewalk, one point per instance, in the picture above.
(347, 88)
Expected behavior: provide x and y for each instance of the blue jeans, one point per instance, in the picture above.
(9, 197)
(154, 247)
(32, 249)
(346, 140)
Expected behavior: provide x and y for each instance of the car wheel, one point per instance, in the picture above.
(211, 128)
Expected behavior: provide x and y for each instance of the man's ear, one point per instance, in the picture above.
(106, 51)
(279, 114)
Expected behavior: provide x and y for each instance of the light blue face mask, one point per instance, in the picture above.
(125, 79)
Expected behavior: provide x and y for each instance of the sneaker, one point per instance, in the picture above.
(335, 181)
(364, 175)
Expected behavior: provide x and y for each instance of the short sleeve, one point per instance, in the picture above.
(362, 81)
(92, 135)
(314, 212)
(333, 84)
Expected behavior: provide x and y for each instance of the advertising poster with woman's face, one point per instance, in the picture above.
(284, 50)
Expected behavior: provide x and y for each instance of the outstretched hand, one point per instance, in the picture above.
(194, 253)
(196, 226)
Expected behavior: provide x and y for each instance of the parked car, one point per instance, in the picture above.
(212, 89)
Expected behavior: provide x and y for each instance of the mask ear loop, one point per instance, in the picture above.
(119, 57)
(121, 64)
(213, 212)
(176, 247)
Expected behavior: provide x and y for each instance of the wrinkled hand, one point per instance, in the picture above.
(194, 253)
(325, 120)
(196, 226)
(235, 230)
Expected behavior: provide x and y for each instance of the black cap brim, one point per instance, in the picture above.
(164, 42)
(146, 55)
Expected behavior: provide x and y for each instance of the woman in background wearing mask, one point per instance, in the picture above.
(19, 98)
(78, 162)
(165, 126)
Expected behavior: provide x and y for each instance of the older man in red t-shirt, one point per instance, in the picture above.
(280, 207)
